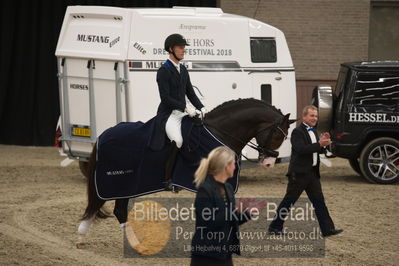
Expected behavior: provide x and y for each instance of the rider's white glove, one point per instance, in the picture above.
(191, 111)
(203, 110)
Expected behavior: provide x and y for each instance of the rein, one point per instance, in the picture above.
(252, 145)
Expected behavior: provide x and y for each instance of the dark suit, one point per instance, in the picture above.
(225, 221)
(302, 176)
(173, 88)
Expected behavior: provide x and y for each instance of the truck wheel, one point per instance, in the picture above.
(84, 168)
(379, 161)
(354, 163)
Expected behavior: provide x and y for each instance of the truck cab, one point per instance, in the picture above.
(363, 118)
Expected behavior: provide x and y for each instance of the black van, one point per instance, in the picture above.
(362, 115)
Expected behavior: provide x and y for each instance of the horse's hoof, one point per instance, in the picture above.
(80, 245)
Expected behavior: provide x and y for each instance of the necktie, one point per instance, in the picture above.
(311, 129)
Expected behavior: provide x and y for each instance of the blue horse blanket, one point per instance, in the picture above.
(126, 167)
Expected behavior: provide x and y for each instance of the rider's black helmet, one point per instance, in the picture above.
(173, 40)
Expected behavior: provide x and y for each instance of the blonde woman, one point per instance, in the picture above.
(217, 218)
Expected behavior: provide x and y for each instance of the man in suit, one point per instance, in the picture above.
(304, 174)
(174, 85)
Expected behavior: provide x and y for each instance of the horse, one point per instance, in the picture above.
(235, 123)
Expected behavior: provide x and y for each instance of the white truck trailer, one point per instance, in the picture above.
(108, 58)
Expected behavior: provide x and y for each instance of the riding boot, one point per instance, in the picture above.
(170, 165)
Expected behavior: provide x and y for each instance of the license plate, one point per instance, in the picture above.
(81, 131)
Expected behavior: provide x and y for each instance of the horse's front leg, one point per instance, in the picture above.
(120, 211)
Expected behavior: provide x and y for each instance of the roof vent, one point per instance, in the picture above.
(203, 10)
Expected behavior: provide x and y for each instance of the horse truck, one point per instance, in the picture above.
(108, 57)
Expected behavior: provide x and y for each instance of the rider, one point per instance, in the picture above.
(174, 85)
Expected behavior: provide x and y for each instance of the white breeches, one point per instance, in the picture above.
(173, 127)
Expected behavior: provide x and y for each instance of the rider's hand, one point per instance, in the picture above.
(191, 111)
(203, 110)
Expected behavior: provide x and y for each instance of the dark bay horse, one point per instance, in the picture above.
(235, 123)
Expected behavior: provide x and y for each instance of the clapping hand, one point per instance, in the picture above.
(325, 139)
(250, 205)
(325, 135)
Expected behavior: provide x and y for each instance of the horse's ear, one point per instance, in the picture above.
(286, 117)
(290, 121)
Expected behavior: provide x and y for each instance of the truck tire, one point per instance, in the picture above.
(84, 168)
(379, 161)
(354, 163)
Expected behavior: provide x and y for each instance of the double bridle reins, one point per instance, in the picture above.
(262, 151)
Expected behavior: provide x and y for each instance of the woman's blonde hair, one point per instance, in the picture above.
(217, 160)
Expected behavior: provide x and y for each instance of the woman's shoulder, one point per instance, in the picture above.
(208, 183)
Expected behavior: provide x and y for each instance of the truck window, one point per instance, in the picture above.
(263, 50)
(340, 82)
(376, 92)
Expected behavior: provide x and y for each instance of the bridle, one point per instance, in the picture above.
(263, 153)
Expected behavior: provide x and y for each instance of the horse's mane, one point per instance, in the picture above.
(239, 102)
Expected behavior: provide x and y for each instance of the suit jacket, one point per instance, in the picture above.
(302, 152)
(226, 221)
(173, 88)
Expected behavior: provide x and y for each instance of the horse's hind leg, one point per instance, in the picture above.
(83, 229)
(120, 211)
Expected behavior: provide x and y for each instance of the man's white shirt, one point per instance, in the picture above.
(314, 140)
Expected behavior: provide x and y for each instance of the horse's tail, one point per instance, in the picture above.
(94, 204)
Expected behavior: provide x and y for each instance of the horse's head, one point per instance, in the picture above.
(270, 139)
(256, 118)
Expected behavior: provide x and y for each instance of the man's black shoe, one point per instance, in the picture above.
(333, 232)
(274, 231)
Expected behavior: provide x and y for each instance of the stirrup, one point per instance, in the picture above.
(168, 186)
(176, 189)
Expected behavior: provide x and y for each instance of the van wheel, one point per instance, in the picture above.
(84, 168)
(354, 163)
(379, 161)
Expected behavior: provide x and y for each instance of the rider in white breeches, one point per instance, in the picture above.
(174, 86)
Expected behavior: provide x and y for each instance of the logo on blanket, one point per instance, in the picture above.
(120, 172)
